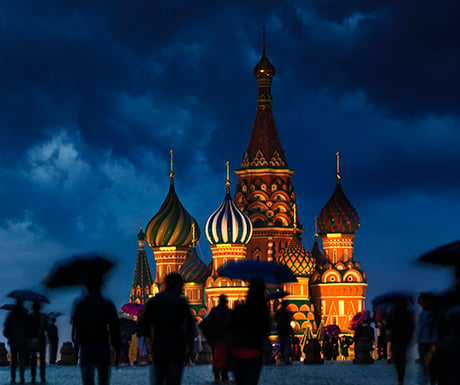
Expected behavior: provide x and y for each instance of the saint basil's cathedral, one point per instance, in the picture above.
(259, 223)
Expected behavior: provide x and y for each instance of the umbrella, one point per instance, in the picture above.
(78, 270)
(133, 308)
(248, 269)
(384, 301)
(445, 255)
(333, 330)
(54, 314)
(359, 319)
(8, 306)
(28, 295)
(276, 295)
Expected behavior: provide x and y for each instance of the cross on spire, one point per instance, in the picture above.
(337, 154)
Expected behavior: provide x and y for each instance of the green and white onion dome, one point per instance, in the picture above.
(172, 225)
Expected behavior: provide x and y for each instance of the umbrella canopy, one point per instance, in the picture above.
(359, 319)
(384, 301)
(446, 255)
(28, 295)
(78, 270)
(276, 295)
(54, 314)
(8, 306)
(333, 330)
(248, 269)
(133, 308)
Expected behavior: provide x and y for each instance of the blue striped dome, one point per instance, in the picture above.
(228, 224)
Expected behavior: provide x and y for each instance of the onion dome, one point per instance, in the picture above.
(299, 260)
(228, 224)
(264, 68)
(194, 269)
(172, 225)
(338, 215)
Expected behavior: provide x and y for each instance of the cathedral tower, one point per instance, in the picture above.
(339, 285)
(228, 230)
(265, 192)
(169, 234)
(141, 289)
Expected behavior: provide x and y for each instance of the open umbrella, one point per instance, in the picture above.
(359, 319)
(333, 330)
(78, 270)
(54, 314)
(276, 295)
(248, 269)
(28, 295)
(133, 308)
(446, 255)
(385, 301)
(8, 306)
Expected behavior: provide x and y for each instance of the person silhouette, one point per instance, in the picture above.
(37, 325)
(53, 340)
(14, 330)
(214, 330)
(95, 322)
(168, 315)
(284, 330)
(401, 325)
(249, 326)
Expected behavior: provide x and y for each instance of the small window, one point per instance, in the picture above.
(168, 269)
(334, 256)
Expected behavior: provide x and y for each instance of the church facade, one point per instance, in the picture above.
(259, 223)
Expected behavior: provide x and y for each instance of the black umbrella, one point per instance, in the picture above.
(276, 295)
(248, 269)
(77, 270)
(446, 255)
(28, 295)
(54, 314)
(8, 306)
(384, 301)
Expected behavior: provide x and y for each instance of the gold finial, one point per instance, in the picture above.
(227, 182)
(171, 173)
(316, 226)
(337, 154)
(193, 234)
(294, 207)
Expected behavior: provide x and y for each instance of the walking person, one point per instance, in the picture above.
(401, 325)
(14, 330)
(249, 326)
(168, 323)
(427, 333)
(37, 324)
(214, 330)
(95, 323)
(53, 340)
(284, 330)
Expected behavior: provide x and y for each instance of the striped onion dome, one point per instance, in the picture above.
(299, 260)
(338, 215)
(172, 225)
(194, 269)
(228, 224)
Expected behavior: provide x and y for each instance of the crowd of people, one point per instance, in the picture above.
(27, 333)
(166, 334)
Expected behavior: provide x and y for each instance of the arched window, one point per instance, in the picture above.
(168, 269)
(334, 256)
(345, 255)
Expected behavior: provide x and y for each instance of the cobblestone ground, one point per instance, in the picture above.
(331, 373)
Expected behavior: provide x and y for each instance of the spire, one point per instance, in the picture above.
(227, 181)
(171, 172)
(264, 148)
(337, 154)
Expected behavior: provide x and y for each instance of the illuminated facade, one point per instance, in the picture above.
(261, 223)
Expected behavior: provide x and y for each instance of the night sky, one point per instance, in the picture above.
(94, 94)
